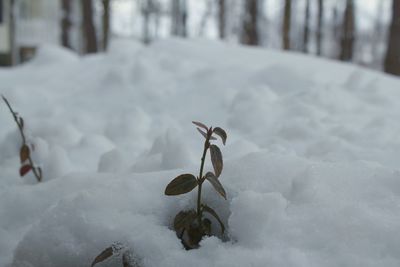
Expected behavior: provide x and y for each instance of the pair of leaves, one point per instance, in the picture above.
(181, 185)
(217, 130)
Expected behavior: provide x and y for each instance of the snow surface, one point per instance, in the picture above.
(311, 163)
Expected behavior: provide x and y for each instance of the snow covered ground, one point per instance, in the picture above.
(311, 163)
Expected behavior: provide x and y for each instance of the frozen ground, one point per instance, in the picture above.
(311, 163)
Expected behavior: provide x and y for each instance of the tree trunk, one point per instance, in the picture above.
(306, 32)
(320, 25)
(13, 43)
(250, 24)
(392, 60)
(89, 30)
(106, 23)
(66, 23)
(286, 25)
(178, 18)
(348, 33)
(222, 19)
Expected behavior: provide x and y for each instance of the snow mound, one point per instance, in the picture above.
(310, 166)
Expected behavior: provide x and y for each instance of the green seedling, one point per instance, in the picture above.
(25, 150)
(190, 226)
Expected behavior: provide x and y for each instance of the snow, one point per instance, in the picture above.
(311, 163)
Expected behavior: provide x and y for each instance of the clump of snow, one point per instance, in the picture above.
(311, 163)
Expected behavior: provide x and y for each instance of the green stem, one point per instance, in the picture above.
(200, 178)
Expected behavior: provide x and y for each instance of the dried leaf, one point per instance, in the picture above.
(216, 159)
(221, 133)
(183, 219)
(213, 213)
(24, 170)
(180, 185)
(105, 254)
(216, 184)
(201, 125)
(24, 153)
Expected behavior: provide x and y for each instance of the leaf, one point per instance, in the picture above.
(180, 185)
(202, 133)
(221, 133)
(216, 159)
(213, 213)
(205, 135)
(216, 184)
(105, 254)
(183, 219)
(201, 125)
(24, 170)
(24, 153)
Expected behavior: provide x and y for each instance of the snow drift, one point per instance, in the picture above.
(311, 162)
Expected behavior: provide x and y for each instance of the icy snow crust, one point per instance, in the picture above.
(311, 163)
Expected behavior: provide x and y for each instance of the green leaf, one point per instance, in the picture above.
(213, 213)
(201, 125)
(105, 254)
(221, 133)
(24, 153)
(216, 184)
(216, 159)
(180, 185)
(183, 219)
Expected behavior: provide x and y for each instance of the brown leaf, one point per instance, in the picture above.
(213, 213)
(24, 153)
(180, 185)
(216, 159)
(105, 254)
(24, 170)
(183, 219)
(201, 125)
(216, 184)
(221, 133)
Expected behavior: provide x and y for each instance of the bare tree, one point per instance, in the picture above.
(89, 30)
(179, 18)
(250, 35)
(347, 38)
(106, 23)
(392, 60)
(222, 19)
(320, 24)
(306, 31)
(286, 25)
(66, 23)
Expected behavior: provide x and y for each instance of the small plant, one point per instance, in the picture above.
(129, 259)
(25, 151)
(190, 226)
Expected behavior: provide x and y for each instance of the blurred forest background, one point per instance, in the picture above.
(364, 32)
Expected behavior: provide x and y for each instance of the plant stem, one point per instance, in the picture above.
(21, 131)
(200, 178)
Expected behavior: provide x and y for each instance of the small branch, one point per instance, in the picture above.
(36, 171)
